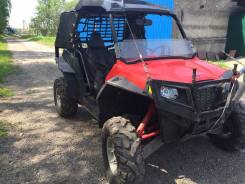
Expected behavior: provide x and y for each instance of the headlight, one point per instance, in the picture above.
(169, 93)
(225, 87)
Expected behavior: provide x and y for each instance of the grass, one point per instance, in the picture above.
(6, 66)
(27, 36)
(221, 64)
(4, 92)
(45, 40)
(3, 129)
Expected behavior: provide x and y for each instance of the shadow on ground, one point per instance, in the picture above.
(78, 157)
(74, 158)
(195, 161)
(44, 148)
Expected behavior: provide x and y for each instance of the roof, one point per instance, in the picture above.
(121, 6)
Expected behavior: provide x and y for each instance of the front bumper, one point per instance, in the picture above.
(197, 102)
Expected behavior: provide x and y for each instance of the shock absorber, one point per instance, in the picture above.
(145, 122)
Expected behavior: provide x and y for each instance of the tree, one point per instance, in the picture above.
(5, 7)
(70, 5)
(47, 16)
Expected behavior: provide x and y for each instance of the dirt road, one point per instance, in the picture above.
(44, 148)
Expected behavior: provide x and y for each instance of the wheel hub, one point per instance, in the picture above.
(111, 156)
(58, 100)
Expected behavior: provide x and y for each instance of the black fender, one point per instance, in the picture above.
(70, 67)
(122, 83)
(118, 97)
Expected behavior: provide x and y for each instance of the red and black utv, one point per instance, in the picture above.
(142, 89)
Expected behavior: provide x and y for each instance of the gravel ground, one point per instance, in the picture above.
(44, 148)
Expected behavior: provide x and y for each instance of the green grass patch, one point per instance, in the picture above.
(4, 92)
(45, 40)
(6, 65)
(26, 36)
(4, 128)
(49, 41)
(221, 64)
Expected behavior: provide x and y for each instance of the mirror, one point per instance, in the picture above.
(143, 22)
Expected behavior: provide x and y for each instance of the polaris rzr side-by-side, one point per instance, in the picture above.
(144, 89)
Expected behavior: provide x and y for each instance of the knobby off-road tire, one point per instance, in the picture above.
(65, 106)
(236, 126)
(120, 141)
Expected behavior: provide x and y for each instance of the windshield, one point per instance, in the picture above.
(154, 37)
(155, 48)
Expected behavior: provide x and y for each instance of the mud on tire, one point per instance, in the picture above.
(236, 126)
(130, 167)
(65, 106)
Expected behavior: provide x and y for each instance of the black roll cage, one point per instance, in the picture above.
(111, 15)
(73, 43)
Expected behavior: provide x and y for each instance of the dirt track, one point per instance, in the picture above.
(44, 148)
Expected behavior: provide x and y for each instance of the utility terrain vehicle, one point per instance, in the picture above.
(144, 89)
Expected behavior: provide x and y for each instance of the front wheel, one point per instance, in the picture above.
(122, 153)
(233, 137)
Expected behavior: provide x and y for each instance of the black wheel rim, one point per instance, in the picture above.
(112, 159)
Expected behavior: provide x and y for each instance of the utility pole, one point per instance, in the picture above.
(24, 26)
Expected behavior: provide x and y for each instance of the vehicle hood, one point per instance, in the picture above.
(172, 70)
(182, 70)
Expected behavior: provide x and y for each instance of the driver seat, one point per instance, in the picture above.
(100, 60)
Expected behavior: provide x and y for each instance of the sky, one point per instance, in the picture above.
(22, 10)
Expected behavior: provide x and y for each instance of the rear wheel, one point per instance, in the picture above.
(233, 137)
(65, 106)
(123, 158)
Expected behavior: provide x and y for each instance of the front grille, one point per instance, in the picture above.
(207, 99)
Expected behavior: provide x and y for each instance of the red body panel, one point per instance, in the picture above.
(173, 70)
